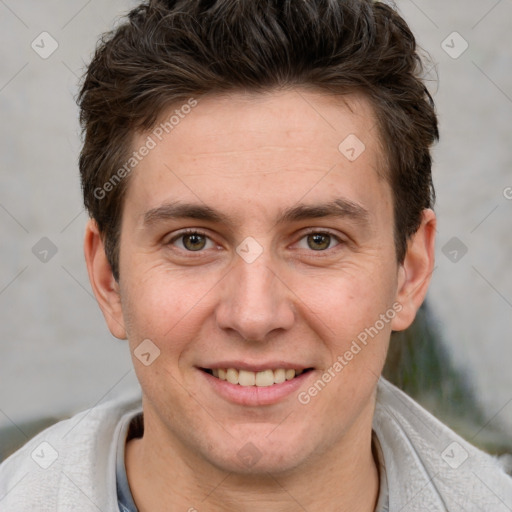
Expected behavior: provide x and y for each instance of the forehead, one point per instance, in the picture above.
(261, 150)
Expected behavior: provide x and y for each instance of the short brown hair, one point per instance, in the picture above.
(169, 51)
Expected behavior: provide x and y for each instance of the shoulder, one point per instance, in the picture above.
(60, 467)
(428, 466)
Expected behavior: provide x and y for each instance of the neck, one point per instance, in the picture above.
(345, 478)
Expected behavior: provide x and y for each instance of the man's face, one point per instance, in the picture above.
(251, 242)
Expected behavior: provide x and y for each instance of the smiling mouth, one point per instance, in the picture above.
(260, 379)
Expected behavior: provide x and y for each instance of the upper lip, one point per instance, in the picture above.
(255, 367)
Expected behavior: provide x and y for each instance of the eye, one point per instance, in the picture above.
(192, 241)
(319, 241)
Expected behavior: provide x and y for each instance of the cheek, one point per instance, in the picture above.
(160, 301)
(347, 301)
(169, 310)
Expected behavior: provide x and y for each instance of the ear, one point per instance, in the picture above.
(415, 272)
(104, 286)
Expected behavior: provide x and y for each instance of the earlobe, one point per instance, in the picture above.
(104, 286)
(415, 273)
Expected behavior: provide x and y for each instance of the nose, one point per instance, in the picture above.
(255, 302)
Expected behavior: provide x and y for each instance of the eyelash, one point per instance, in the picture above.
(312, 231)
(188, 232)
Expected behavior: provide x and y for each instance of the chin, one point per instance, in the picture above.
(249, 461)
(266, 452)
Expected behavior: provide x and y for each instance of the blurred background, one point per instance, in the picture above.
(56, 354)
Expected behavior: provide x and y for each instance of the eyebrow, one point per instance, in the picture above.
(341, 208)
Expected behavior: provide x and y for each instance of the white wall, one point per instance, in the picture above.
(56, 353)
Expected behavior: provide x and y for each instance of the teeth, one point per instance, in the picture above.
(232, 376)
(279, 376)
(246, 378)
(264, 378)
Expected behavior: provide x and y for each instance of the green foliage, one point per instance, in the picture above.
(419, 363)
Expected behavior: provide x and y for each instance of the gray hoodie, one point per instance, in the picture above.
(425, 466)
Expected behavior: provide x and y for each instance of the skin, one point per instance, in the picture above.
(250, 157)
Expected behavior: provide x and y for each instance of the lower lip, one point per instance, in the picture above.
(254, 395)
